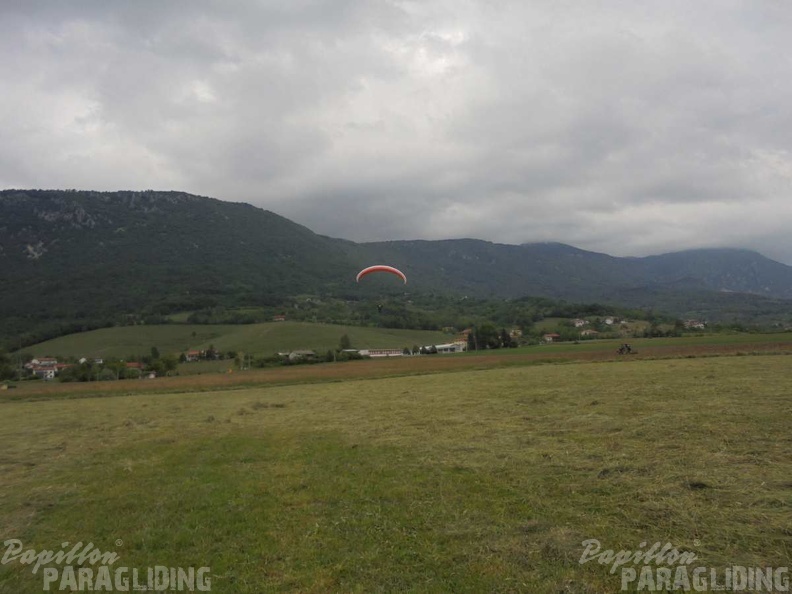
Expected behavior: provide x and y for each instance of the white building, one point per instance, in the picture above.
(381, 352)
(451, 347)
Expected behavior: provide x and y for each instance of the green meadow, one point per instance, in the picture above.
(484, 480)
(262, 339)
(268, 338)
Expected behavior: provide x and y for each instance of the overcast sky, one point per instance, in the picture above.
(630, 127)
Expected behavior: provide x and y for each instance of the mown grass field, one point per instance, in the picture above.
(261, 339)
(467, 475)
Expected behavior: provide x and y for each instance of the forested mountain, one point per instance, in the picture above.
(69, 257)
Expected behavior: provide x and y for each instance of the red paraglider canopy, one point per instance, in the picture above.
(381, 268)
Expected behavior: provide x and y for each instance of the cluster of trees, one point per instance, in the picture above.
(7, 368)
(487, 336)
(89, 371)
(657, 330)
(222, 315)
(160, 364)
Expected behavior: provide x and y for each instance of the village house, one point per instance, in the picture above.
(589, 332)
(97, 361)
(45, 373)
(45, 368)
(551, 337)
(190, 356)
(579, 323)
(42, 362)
(302, 355)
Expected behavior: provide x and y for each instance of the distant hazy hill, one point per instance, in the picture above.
(562, 271)
(734, 270)
(73, 255)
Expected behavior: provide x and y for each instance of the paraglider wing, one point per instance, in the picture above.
(381, 268)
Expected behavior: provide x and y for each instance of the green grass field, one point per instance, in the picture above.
(262, 339)
(268, 338)
(484, 480)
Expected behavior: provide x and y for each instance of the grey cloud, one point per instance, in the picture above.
(625, 127)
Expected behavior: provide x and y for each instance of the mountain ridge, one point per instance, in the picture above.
(71, 255)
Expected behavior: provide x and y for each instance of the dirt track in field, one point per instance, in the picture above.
(377, 368)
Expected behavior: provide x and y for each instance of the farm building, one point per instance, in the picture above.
(192, 355)
(45, 368)
(302, 355)
(381, 352)
(452, 347)
(45, 373)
